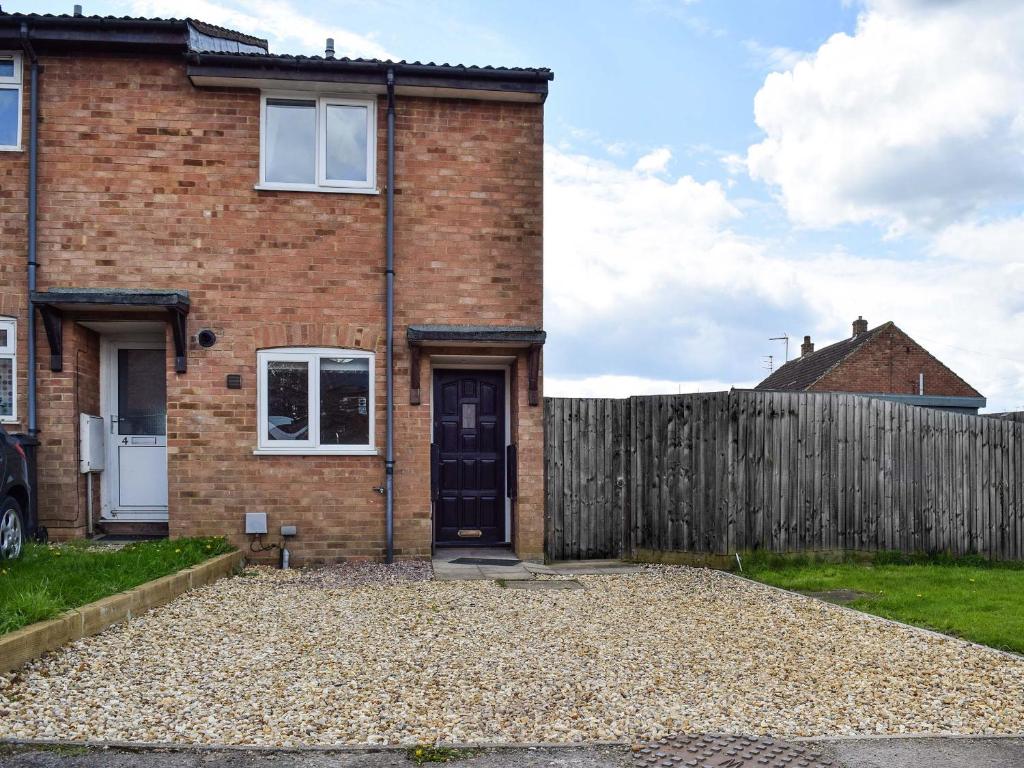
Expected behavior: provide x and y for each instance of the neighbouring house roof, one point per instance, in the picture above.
(799, 374)
(225, 57)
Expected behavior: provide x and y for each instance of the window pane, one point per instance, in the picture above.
(287, 400)
(291, 141)
(9, 117)
(344, 401)
(6, 67)
(6, 386)
(5, 337)
(141, 392)
(346, 143)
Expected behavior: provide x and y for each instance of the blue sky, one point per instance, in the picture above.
(719, 172)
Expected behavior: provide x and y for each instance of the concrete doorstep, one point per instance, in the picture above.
(23, 645)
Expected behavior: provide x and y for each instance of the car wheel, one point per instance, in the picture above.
(12, 529)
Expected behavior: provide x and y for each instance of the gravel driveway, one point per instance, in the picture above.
(283, 658)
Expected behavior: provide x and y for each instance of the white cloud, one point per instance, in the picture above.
(625, 386)
(916, 120)
(655, 161)
(287, 29)
(615, 235)
(776, 58)
(649, 288)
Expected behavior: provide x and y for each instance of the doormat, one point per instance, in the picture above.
(483, 561)
(719, 751)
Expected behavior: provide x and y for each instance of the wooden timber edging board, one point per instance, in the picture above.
(23, 645)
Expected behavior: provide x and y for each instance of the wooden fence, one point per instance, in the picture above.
(743, 470)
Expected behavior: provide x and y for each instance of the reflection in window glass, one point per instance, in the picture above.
(290, 143)
(346, 143)
(344, 401)
(6, 387)
(287, 400)
(9, 117)
(6, 67)
(141, 392)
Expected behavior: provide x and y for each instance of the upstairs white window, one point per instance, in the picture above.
(318, 143)
(8, 370)
(316, 401)
(10, 101)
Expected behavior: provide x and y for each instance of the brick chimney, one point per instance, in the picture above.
(860, 325)
(807, 347)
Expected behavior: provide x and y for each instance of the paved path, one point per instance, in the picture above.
(858, 753)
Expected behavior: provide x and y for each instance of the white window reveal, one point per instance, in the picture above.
(314, 401)
(8, 370)
(10, 101)
(321, 143)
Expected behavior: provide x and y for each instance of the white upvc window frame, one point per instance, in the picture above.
(311, 447)
(323, 184)
(14, 83)
(9, 351)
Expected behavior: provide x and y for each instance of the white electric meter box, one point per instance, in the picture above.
(91, 450)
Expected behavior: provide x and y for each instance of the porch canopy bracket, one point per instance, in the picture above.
(493, 336)
(119, 303)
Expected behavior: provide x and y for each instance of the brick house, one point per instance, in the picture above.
(884, 362)
(212, 230)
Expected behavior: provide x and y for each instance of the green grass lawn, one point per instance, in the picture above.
(49, 578)
(970, 598)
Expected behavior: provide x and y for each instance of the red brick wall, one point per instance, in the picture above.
(146, 181)
(891, 363)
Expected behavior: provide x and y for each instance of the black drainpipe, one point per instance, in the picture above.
(389, 439)
(31, 441)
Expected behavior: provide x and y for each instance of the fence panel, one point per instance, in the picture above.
(728, 471)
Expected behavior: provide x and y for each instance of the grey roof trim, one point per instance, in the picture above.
(475, 334)
(935, 401)
(123, 297)
(932, 401)
(254, 70)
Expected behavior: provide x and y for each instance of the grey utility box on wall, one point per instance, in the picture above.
(255, 522)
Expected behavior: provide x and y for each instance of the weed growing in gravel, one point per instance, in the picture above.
(431, 754)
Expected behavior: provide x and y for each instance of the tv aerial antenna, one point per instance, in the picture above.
(784, 338)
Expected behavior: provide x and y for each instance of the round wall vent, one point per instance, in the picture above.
(206, 338)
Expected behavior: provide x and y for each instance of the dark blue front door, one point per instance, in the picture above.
(469, 457)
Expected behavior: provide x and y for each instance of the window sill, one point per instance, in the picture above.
(12, 149)
(315, 188)
(315, 452)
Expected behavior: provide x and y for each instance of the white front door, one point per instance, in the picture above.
(136, 413)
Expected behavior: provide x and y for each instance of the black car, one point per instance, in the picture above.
(16, 523)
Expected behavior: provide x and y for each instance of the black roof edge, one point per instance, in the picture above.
(264, 62)
(118, 32)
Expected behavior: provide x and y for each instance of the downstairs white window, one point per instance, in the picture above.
(8, 370)
(316, 401)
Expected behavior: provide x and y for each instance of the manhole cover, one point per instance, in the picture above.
(483, 561)
(719, 751)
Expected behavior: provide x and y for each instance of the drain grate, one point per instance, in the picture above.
(484, 561)
(722, 751)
